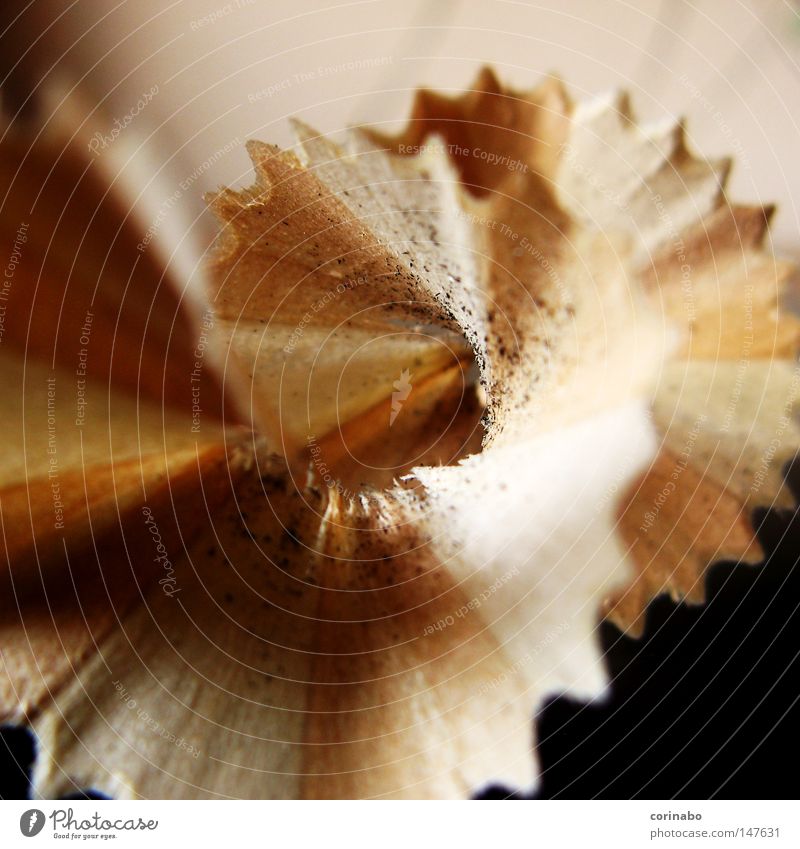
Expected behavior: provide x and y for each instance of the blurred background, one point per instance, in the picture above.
(164, 94)
(213, 73)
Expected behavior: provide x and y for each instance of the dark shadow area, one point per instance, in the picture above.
(94, 795)
(17, 750)
(706, 704)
